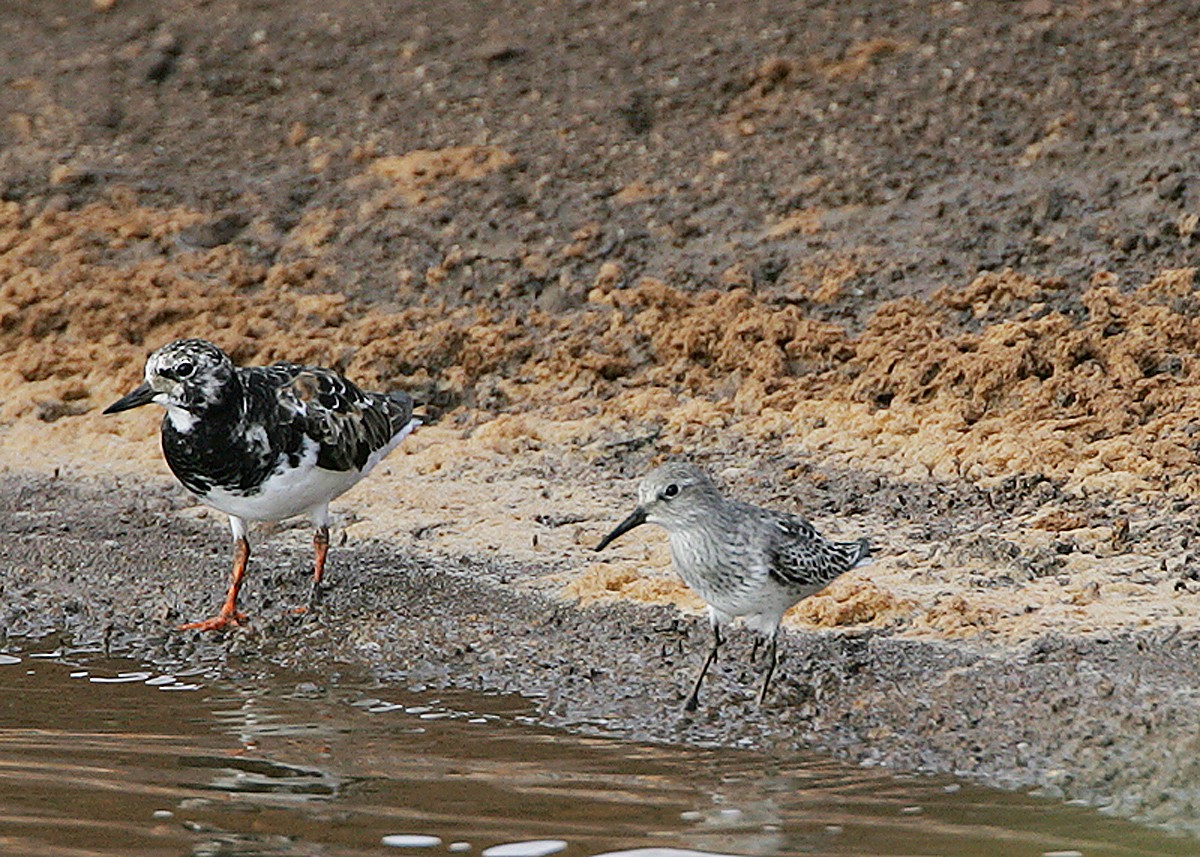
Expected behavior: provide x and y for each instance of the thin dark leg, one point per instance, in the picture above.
(772, 645)
(694, 698)
(229, 614)
(754, 649)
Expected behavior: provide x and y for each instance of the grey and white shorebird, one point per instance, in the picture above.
(265, 443)
(743, 560)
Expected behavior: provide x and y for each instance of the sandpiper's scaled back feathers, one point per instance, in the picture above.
(741, 559)
(265, 443)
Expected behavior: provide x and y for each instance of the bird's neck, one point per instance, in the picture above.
(222, 398)
(181, 419)
(696, 518)
(215, 411)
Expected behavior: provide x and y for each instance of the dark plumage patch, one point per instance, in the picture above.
(258, 418)
(801, 557)
(348, 423)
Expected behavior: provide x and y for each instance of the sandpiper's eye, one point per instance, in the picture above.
(670, 491)
(183, 370)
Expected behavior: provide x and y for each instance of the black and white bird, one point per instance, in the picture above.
(265, 443)
(744, 561)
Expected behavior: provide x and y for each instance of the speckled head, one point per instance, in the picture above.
(674, 496)
(186, 377)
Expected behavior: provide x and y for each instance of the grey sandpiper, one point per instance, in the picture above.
(743, 560)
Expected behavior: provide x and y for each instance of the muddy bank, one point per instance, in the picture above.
(1109, 717)
(835, 153)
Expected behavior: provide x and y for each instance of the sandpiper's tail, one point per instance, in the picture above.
(853, 554)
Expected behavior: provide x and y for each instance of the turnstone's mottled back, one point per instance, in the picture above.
(741, 559)
(265, 443)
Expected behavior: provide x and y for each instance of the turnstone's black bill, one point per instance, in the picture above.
(265, 443)
(741, 559)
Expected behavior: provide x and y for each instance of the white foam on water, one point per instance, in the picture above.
(665, 852)
(532, 848)
(384, 707)
(124, 678)
(410, 840)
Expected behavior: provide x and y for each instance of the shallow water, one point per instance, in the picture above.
(100, 757)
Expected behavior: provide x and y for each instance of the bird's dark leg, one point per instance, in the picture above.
(694, 697)
(772, 647)
(754, 649)
(229, 614)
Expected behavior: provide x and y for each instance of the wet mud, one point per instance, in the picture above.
(1103, 718)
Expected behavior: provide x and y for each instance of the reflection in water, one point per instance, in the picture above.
(98, 758)
(259, 776)
(660, 852)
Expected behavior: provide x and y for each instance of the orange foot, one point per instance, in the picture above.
(314, 595)
(216, 623)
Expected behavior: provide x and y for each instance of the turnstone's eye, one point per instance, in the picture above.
(671, 491)
(183, 370)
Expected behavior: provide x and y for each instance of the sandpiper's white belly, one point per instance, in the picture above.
(292, 491)
(732, 586)
(761, 605)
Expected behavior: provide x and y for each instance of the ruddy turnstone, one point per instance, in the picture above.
(265, 443)
(741, 559)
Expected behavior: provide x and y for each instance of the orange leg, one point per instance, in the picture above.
(229, 614)
(320, 551)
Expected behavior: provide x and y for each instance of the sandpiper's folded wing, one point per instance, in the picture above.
(799, 556)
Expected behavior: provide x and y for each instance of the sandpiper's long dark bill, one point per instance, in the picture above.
(636, 518)
(265, 443)
(744, 561)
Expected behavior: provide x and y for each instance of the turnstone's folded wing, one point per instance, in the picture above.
(350, 425)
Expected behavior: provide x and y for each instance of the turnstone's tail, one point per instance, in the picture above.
(400, 409)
